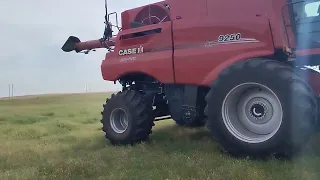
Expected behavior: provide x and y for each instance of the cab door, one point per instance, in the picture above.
(190, 30)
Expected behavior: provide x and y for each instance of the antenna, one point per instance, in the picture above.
(107, 30)
(106, 7)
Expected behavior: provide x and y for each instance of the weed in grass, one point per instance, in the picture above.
(24, 120)
(71, 115)
(83, 111)
(2, 119)
(64, 127)
(91, 120)
(49, 114)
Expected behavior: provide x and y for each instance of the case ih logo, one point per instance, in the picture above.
(130, 51)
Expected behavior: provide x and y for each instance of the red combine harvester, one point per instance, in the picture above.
(235, 66)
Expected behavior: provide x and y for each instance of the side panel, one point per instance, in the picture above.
(199, 55)
(276, 11)
(152, 54)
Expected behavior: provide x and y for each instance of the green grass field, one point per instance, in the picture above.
(60, 137)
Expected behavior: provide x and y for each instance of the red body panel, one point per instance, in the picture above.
(156, 60)
(198, 58)
(186, 50)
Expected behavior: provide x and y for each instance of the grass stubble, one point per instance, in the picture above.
(60, 137)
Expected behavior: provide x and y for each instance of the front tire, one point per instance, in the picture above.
(259, 108)
(127, 118)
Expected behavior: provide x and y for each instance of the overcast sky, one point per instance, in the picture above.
(32, 33)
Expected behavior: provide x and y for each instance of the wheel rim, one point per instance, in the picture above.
(252, 112)
(119, 120)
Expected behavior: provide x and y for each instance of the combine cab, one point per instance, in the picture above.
(244, 76)
(302, 28)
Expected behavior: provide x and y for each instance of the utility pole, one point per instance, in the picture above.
(10, 88)
(88, 88)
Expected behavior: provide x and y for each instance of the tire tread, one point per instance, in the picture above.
(306, 125)
(143, 117)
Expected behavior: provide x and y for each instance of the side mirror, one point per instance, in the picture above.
(69, 45)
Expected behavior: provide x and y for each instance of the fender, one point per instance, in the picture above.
(139, 73)
(312, 77)
(114, 66)
(213, 75)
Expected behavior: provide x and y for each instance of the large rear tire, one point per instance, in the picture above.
(260, 108)
(127, 118)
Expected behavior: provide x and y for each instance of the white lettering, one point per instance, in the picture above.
(130, 51)
(134, 51)
(140, 49)
(120, 52)
(126, 59)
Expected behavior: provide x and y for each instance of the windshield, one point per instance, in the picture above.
(303, 9)
(307, 24)
(311, 9)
